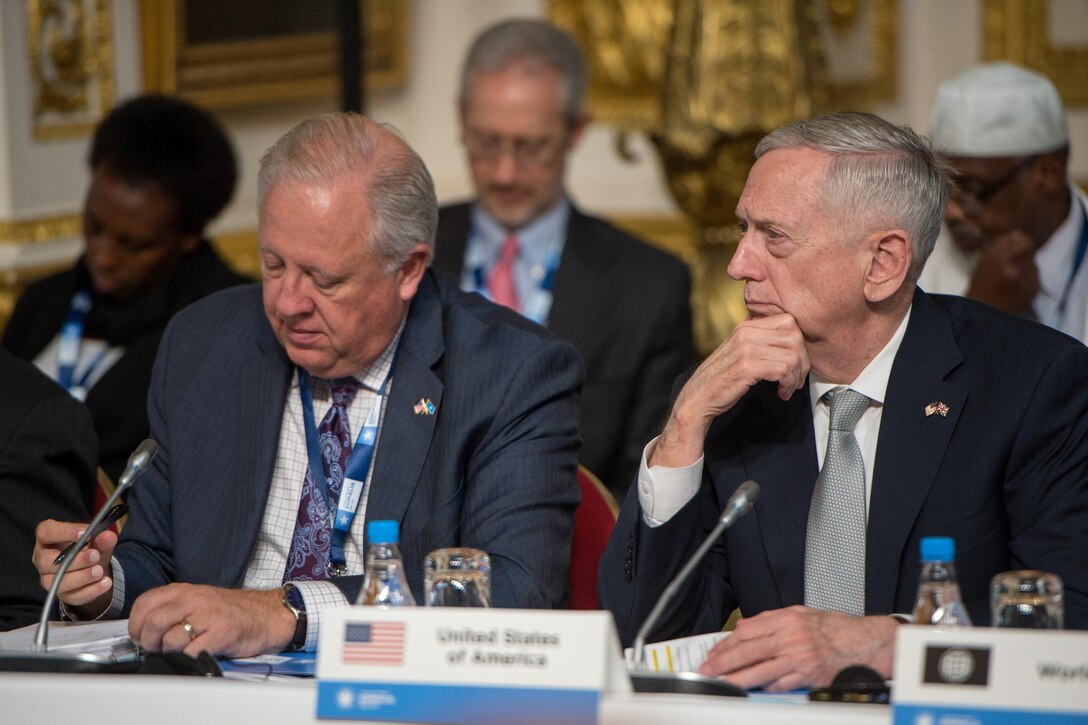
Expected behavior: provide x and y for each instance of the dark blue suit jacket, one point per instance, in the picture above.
(47, 462)
(1005, 474)
(494, 468)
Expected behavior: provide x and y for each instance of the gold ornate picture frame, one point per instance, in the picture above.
(233, 65)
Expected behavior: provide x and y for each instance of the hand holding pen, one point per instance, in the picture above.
(87, 585)
(84, 581)
(108, 520)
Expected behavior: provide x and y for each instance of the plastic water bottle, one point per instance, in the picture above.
(385, 584)
(939, 601)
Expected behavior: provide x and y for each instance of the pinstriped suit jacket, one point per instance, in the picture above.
(494, 468)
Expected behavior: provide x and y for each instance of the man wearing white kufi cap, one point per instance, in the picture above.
(1017, 232)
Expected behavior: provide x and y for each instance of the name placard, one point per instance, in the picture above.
(454, 665)
(989, 676)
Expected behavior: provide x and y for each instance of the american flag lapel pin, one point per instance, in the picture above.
(938, 407)
(424, 407)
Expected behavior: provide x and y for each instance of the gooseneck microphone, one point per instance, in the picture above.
(138, 462)
(739, 504)
(39, 659)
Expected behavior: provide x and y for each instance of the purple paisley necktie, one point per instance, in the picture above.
(309, 554)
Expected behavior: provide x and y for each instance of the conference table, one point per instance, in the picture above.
(86, 699)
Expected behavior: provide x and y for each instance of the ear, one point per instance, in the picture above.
(411, 272)
(891, 253)
(577, 128)
(1051, 170)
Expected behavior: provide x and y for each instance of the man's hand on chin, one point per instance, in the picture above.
(763, 348)
(231, 622)
(787, 649)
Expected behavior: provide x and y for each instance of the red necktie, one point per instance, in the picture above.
(501, 284)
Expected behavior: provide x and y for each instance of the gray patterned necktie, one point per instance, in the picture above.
(835, 544)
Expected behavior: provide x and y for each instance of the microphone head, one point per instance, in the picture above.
(741, 500)
(749, 490)
(138, 462)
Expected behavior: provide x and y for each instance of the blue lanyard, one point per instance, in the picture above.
(538, 302)
(355, 473)
(71, 336)
(1078, 259)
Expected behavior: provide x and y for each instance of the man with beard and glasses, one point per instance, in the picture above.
(622, 303)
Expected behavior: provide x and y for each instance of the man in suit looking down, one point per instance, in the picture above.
(470, 436)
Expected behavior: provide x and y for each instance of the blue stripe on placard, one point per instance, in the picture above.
(455, 704)
(943, 715)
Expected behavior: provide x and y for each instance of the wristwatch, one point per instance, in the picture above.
(296, 605)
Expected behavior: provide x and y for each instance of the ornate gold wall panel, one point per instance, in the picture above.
(705, 80)
(625, 43)
(877, 21)
(40, 230)
(1017, 30)
(71, 65)
(223, 67)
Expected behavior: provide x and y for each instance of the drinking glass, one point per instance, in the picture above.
(457, 577)
(1028, 599)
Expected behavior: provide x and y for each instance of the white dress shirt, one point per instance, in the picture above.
(663, 491)
(269, 560)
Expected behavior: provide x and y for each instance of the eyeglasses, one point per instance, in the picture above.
(524, 151)
(973, 201)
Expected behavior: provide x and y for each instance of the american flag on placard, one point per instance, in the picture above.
(374, 643)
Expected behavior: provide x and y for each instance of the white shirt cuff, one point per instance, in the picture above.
(662, 491)
(319, 597)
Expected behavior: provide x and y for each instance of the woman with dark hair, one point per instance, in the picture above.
(161, 170)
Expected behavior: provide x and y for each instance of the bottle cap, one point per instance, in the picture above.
(938, 548)
(383, 532)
